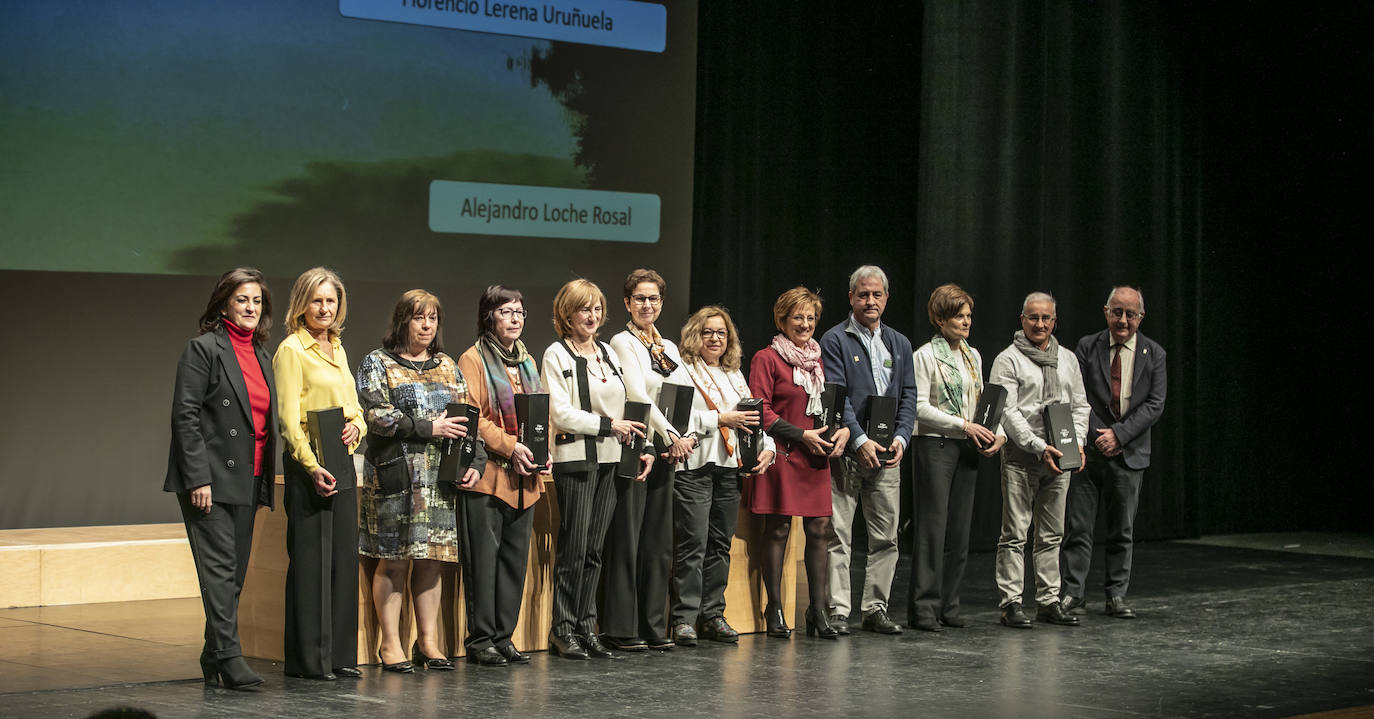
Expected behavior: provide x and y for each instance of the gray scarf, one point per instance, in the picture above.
(1047, 359)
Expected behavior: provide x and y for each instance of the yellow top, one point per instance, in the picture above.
(307, 380)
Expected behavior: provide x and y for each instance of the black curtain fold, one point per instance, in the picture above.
(1211, 154)
(1054, 154)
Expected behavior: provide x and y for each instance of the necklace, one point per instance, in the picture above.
(600, 369)
(411, 363)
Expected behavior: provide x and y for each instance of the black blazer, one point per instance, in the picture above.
(212, 425)
(1149, 385)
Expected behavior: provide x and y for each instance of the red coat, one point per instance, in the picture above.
(798, 483)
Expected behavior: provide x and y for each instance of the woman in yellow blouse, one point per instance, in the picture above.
(321, 507)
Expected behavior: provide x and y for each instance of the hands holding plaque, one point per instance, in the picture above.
(630, 431)
(459, 448)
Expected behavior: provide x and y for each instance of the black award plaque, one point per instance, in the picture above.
(882, 424)
(532, 425)
(1060, 434)
(748, 442)
(629, 453)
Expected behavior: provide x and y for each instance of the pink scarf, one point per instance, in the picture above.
(806, 368)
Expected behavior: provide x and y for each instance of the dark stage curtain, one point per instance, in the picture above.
(1214, 154)
(1008, 147)
(1058, 154)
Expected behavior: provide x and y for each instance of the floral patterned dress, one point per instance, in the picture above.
(404, 513)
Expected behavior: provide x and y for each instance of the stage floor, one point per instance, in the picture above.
(1224, 631)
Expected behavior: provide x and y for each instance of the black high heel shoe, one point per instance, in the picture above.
(234, 673)
(443, 664)
(402, 667)
(818, 625)
(776, 626)
(209, 668)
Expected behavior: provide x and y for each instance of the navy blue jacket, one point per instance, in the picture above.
(1149, 385)
(846, 361)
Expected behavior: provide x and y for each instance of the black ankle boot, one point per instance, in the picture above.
(234, 673)
(772, 616)
(818, 625)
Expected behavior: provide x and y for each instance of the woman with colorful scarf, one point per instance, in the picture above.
(639, 545)
(949, 382)
(494, 514)
(788, 376)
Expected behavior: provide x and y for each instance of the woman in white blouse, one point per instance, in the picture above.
(706, 491)
(639, 544)
(949, 383)
(587, 396)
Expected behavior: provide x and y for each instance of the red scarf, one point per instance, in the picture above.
(259, 396)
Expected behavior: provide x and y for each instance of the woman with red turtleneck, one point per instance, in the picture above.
(220, 463)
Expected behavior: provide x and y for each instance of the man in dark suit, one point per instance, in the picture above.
(1124, 375)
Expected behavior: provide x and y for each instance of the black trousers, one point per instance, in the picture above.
(1107, 482)
(221, 542)
(586, 501)
(706, 509)
(639, 556)
(946, 475)
(495, 546)
(322, 577)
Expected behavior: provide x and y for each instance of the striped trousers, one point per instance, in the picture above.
(586, 501)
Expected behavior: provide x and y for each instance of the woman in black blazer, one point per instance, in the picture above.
(220, 461)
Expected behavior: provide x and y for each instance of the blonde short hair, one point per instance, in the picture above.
(790, 301)
(304, 291)
(690, 347)
(572, 297)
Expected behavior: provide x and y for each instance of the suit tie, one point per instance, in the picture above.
(1116, 381)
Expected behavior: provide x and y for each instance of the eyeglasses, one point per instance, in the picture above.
(1037, 319)
(506, 313)
(1119, 312)
(803, 318)
(708, 334)
(651, 300)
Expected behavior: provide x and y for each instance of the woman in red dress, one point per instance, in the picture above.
(788, 377)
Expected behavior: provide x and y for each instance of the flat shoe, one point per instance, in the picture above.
(488, 657)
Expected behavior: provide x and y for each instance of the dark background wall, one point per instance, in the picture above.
(1215, 154)
(1206, 154)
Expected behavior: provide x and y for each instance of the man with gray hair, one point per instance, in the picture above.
(1126, 382)
(868, 358)
(1036, 372)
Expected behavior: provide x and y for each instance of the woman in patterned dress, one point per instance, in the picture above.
(407, 519)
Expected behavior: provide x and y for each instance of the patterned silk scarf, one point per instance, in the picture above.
(663, 364)
(806, 369)
(495, 359)
(952, 375)
(702, 369)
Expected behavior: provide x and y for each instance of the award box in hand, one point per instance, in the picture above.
(747, 441)
(532, 425)
(675, 401)
(832, 409)
(1060, 434)
(629, 453)
(456, 455)
(990, 406)
(326, 441)
(882, 424)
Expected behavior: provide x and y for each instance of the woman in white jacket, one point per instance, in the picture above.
(706, 491)
(586, 407)
(639, 543)
(949, 383)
